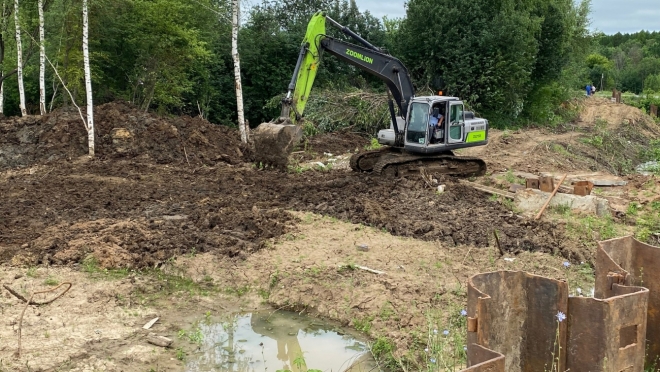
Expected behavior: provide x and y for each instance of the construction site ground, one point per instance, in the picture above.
(172, 220)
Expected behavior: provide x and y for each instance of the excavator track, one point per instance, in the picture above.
(365, 161)
(399, 165)
(393, 162)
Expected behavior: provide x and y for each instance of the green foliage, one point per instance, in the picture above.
(50, 281)
(360, 110)
(373, 144)
(633, 61)
(493, 54)
(194, 335)
(363, 325)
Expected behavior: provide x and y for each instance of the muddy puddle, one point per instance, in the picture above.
(278, 341)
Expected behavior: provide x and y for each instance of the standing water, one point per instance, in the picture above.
(278, 341)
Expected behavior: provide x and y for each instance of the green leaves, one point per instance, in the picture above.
(491, 53)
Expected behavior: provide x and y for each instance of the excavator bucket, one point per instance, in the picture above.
(273, 143)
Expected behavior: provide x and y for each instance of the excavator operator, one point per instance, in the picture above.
(435, 123)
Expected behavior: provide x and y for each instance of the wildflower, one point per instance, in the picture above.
(463, 312)
(435, 331)
(433, 360)
(426, 350)
(579, 291)
(561, 316)
(445, 332)
(464, 348)
(567, 264)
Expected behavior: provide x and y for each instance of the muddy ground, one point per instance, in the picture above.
(130, 214)
(179, 194)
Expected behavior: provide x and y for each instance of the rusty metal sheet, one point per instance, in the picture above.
(547, 184)
(484, 360)
(608, 334)
(532, 183)
(515, 314)
(630, 262)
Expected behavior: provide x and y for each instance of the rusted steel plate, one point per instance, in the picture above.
(484, 360)
(608, 334)
(547, 184)
(630, 262)
(515, 315)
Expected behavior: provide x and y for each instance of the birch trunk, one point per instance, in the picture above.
(19, 50)
(237, 72)
(42, 61)
(88, 81)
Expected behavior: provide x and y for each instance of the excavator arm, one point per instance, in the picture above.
(274, 141)
(366, 57)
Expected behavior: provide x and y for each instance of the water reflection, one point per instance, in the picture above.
(278, 341)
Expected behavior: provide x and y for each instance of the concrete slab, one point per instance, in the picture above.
(530, 200)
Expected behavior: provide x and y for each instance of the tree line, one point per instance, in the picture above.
(627, 62)
(513, 61)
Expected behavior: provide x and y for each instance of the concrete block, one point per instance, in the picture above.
(530, 200)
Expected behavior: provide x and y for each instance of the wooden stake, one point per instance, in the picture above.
(547, 202)
(497, 240)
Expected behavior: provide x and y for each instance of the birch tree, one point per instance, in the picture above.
(88, 81)
(237, 72)
(42, 61)
(19, 51)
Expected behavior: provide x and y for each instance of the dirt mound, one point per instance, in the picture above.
(595, 109)
(136, 214)
(127, 214)
(608, 137)
(337, 143)
(122, 131)
(460, 216)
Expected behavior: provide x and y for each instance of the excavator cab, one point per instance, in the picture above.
(459, 128)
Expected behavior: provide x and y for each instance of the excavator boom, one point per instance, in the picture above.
(274, 141)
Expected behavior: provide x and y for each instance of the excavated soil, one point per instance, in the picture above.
(129, 214)
(122, 131)
(142, 202)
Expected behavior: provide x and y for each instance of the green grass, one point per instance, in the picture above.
(91, 266)
(50, 281)
(364, 324)
(193, 335)
(512, 179)
(595, 228)
(32, 272)
(648, 222)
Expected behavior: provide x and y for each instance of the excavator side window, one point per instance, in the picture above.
(456, 123)
(418, 123)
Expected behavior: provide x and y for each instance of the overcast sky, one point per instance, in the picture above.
(608, 16)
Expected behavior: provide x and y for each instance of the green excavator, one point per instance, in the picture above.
(410, 144)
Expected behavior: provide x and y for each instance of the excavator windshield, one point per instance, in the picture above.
(418, 123)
